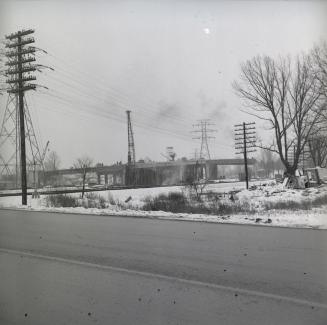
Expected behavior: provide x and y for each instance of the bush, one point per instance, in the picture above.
(111, 199)
(61, 201)
(177, 202)
(319, 201)
(195, 188)
(96, 201)
(102, 202)
(288, 205)
(223, 208)
(92, 200)
(92, 196)
(173, 202)
(294, 205)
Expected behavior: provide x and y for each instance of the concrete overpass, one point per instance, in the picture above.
(151, 173)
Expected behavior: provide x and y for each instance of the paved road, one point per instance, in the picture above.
(79, 269)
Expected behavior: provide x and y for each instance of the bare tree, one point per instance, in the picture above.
(195, 182)
(287, 96)
(83, 163)
(319, 55)
(52, 162)
(318, 150)
(318, 144)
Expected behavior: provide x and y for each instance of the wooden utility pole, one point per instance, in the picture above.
(19, 63)
(245, 158)
(245, 139)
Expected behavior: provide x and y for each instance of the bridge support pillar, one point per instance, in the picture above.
(211, 171)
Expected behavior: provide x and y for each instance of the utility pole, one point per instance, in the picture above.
(19, 148)
(19, 62)
(245, 141)
(130, 175)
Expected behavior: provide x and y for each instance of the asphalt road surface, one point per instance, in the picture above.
(83, 269)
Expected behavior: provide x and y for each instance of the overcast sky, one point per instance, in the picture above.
(169, 62)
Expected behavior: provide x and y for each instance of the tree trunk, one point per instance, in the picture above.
(290, 169)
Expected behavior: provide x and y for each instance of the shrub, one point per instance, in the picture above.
(61, 200)
(195, 188)
(102, 202)
(92, 200)
(111, 199)
(178, 203)
(92, 196)
(171, 202)
(95, 200)
(320, 200)
(288, 205)
(224, 208)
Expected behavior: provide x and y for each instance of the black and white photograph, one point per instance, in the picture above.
(163, 162)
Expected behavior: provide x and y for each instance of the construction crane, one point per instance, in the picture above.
(42, 157)
(44, 153)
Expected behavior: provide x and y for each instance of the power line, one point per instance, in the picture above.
(96, 109)
(82, 94)
(113, 97)
(106, 88)
(89, 109)
(121, 102)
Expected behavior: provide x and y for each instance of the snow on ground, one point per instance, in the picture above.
(273, 194)
(138, 195)
(258, 197)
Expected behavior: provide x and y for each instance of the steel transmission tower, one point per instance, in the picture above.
(130, 175)
(204, 131)
(18, 144)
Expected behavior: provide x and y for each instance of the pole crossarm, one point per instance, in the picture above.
(20, 33)
(18, 80)
(242, 152)
(241, 125)
(247, 139)
(246, 133)
(20, 43)
(28, 68)
(25, 88)
(29, 50)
